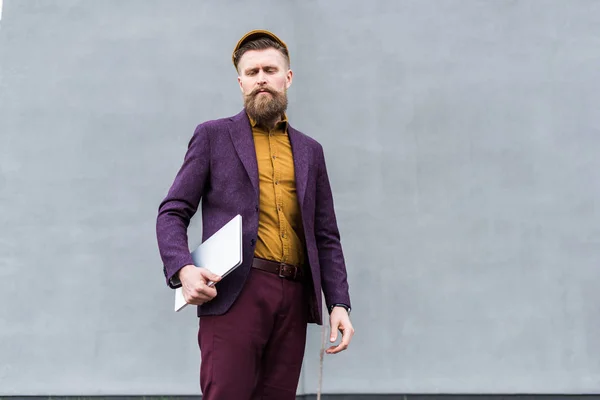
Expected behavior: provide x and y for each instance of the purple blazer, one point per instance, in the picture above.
(220, 168)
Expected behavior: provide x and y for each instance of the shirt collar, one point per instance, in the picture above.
(281, 124)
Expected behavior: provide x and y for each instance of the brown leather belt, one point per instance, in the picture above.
(281, 269)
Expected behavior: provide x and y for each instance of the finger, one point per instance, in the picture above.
(336, 349)
(203, 287)
(346, 337)
(347, 334)
(192, 298)
(334, 331)
(198, 299)
(200, 293)
(206, 291)
(209, 276)
(197, 302)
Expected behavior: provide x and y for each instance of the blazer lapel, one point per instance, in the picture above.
(241, 135)
(300, 151)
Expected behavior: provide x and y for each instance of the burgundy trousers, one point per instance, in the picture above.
(255, 350)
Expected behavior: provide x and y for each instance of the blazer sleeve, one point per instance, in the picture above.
(331, 258)
(180, 205)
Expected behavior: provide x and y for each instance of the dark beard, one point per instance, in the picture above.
(265, 110)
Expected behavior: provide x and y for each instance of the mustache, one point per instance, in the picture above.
(262, 89)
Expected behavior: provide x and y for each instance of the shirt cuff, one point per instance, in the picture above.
(331, 307)
(174, 282)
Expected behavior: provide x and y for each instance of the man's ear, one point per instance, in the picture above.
(288, 80)
(240, 83)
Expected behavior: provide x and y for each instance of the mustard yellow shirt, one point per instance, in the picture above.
(279, 222)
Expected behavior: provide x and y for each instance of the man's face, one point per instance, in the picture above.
(264, 78)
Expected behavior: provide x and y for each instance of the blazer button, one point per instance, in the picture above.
(252, 242)
(256, 208)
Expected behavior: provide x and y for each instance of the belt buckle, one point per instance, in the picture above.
(281, 268)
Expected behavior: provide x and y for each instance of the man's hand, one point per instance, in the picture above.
(194, 282)
(340, 320)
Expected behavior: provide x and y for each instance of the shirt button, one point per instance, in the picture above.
(283, 235)
(274, 157)
(277, 182)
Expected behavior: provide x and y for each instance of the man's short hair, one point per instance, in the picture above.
(262, 43)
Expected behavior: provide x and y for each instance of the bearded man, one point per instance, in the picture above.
(253, 322)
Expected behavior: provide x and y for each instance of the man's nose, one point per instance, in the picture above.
(261, 78)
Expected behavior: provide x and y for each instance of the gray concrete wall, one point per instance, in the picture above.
(462, 138)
